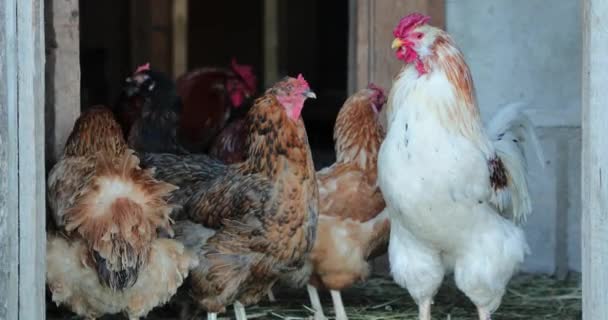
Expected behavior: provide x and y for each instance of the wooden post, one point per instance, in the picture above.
(151, 34)
(375, 20)
(271, 42)
(9, 199)
(180, 37)
(62, 74)
(22, 205)
(595, 160)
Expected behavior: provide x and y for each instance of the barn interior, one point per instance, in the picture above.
(117, 36)
(340, 46)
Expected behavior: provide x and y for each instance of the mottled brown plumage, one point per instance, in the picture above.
(102, 199)
(230, 144)
(348, 188)
(351, 227)
(264, 210)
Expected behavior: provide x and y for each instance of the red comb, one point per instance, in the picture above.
(300, 79)
(245, 72)
(378, 95)
(374, 87)
(142, 68)
(409, 22)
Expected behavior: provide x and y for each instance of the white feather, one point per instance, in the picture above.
(436, 183)
(512, 133)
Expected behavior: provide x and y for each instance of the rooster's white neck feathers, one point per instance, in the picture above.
(446, 91)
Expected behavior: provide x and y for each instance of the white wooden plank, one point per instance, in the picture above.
(30, 101)
(62, 74)
(8, 163)
(595, 160)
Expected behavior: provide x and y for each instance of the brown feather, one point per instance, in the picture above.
(447, 58)
(264, 210)
(98, 192)
(357, 134)
(351, 228)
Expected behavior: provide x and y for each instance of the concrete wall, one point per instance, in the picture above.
(531, 51)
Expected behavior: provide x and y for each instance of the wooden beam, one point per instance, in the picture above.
(595, 160)
(180, 37)
(375, 20)
(271, 42)
(62, 74)
(30, 103)
(151, 34)
(9, 199)
(352, 47)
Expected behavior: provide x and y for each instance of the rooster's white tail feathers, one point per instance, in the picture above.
(513, 133)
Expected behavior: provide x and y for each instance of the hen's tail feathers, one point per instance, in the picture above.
(118, 215)
(192, 235)
(513, 134)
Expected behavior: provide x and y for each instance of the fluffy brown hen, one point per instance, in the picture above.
(107, 257)
(264, 210)
(352, 226)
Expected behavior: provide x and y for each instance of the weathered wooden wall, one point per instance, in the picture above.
(151, 33)
(22, 188)
(62, 74)
(8, 163)
(373, 26)
(595, 160)
(180, 37)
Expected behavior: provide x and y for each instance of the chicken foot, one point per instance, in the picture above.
(484, 314)
(315, 302)
(239, 311)
(211, 316)
(336, 297)
(271, 296)
(424, 309)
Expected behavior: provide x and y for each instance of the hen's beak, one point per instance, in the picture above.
(397, 43)
(310, 94)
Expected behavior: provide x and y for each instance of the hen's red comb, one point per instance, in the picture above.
(374, 87)
(378, 95)
(142, 68)
(301, 81)
(246, 73)
(409, 22)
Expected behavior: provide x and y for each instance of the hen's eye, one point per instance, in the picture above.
(419, 36)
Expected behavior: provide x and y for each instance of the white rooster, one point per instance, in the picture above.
(456, 192)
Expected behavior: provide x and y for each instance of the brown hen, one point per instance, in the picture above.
(352, 226)
(264, 210)
(108, 257)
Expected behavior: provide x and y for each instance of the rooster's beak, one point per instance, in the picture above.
(397, 43)
(310, 94)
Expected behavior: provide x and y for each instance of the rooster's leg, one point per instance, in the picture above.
(271, 296)
(239, 311)
(315, 302)
(211, 316)
(338, 306)
(483, 314)
(424, 309)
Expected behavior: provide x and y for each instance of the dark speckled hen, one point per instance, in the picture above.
(264, 210)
